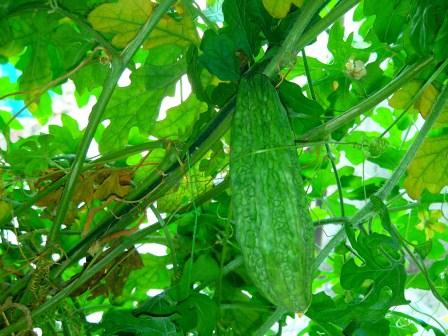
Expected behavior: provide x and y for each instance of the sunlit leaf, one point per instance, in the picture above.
(142, 99)
(5, 209)
(430, 223)
(426, 102)
(164, 140)
(180, 120)
(190, 187)
(279, 9)
(124, 19)
(429, 169)
(404, 95)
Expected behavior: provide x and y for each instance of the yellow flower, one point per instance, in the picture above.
(429, 222)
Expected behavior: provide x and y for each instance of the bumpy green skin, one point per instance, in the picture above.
(273, 225)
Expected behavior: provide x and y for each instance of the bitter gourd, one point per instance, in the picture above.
(273, 224)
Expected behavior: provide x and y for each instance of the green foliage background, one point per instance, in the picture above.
(79, 221)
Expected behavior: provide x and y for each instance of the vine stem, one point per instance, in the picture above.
(197, 10)
(424, 271)
(167, 173)
(288, 50)
(367, 211)
(349, 115)
(216, 130)
(118, 66)
(327, 146)
(167, 234)
(213, 133)
(126, 243)
(266, 326)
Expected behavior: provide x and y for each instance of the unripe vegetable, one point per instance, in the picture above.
(273, 224)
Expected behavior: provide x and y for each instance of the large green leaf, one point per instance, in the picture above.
(219, 55)
(116, 322)
(386, 29)
(180, 120)
(124, 18)
(137, 105)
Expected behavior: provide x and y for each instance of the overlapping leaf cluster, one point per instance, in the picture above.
(173, 164)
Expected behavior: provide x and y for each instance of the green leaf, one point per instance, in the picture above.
(18, 31)
(82, 6)
(241, 25)
(304, 113)
(72, 47)
(249, 314)
(441, 41)
(142, 99)
(425, 24)
(189, 188)
(142, 107)
(205, 311)
(388, 159)
(383, 269)
(164, 64)
(180, 120)
(386, 29)
(280, 8)
(219, 56)
(6, 86)
(424, 248)
(36, 70)
(160, 305)
(404, 95)
(403, 325)
(380, 327)
(116, 322)
(342, 49)
(437, 273)
(196, 74)
(124, 18)
(5, 118)
(205, 269)
(5, 210)
(68, 136)
(370, 289)
(90, 77)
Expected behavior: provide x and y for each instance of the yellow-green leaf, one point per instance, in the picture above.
(429, 169)
(191, 186)
(430, 222)
(124, 18)
(280, 8)
(426, 100)
(404, 95)
(425, 103)
(5, 210)
(170, 31)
